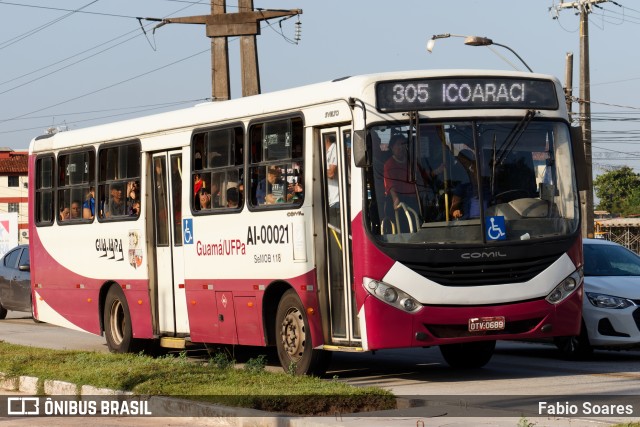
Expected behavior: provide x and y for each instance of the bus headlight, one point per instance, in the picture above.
(566, 287)
(392, 295)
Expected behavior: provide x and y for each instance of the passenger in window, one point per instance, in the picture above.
(332, 169)
(233, 197)
(296, 191)
(64, 214)
(89, 205)
(197, 183)
(76, 210)
(396, 175)
(132, 197)
(135, 208)
(271, 190)
(466, 202)
(215, 196)
(204, 196)
(116, 205)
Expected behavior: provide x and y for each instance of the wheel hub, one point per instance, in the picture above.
(293, 334)
(117, 322)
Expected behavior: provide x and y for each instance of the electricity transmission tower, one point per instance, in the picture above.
(584, 7)
(219, 26)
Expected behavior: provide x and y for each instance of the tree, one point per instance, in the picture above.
(619, 191)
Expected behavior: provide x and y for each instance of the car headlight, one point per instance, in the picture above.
(608, 301)
(392, 295)
(566, 287)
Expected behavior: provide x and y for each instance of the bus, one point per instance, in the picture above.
(394, 210)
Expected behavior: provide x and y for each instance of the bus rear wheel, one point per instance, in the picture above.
(468, 355)
(293, 340)
(117, 322)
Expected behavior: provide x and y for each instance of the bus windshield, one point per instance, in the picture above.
(471, 182)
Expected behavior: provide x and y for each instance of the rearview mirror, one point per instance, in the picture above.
(361, 155)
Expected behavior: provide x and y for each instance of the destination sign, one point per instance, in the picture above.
(465, 92)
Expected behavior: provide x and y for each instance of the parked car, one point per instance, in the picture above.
(15, 281)
(611, 306)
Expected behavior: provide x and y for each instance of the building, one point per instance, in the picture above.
(625, 231)
(14, 194)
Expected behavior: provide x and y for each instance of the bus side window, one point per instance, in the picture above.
(277, 167)
(217, 166)
(75, 180)
(118, 195)
(44, 194)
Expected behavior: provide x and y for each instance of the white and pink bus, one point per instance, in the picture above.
(406, 209)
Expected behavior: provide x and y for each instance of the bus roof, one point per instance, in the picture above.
(210, 113)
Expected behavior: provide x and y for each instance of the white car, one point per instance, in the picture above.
(611, 306)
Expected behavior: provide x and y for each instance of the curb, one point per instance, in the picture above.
(169, 406)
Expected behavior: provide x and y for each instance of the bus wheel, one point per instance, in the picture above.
(468, 355)
(3, 312)
(117, 322)
(295, 349)
(575, 347)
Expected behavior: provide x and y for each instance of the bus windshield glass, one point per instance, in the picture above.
(471, 182)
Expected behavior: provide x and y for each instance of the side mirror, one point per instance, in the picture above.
(361, 155)
(579, 159)
(24, 267)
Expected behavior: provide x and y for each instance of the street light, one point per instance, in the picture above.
(473, 41)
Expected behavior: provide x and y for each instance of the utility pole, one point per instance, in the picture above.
(221, 25)
(568, 81)
(584, 8)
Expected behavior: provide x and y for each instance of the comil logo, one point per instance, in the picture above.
(23, 406)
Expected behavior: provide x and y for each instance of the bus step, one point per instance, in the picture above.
(342, 348)
(170, 342)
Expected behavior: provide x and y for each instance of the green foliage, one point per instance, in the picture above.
(215, 382)
(524, 422)
(222, 361)
(291, 370)
(256, 365)
(618, 191)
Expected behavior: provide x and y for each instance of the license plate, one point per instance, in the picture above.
(481, 324)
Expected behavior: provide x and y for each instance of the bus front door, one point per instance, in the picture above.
(336, 149)
(171, 304)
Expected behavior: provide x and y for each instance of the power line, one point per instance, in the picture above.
(81, 53)
(23, 36)
(112, 15)
(68, 65)
(105, 87)
(139, 109)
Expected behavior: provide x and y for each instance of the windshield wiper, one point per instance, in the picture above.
(514, 136)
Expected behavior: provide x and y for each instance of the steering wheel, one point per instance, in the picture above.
(509, 195)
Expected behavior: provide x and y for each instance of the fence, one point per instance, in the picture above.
(624, 231)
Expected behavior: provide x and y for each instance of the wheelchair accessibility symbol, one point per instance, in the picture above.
(187, 230)
(495, 228)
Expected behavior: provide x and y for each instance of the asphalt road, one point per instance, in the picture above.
(517, 368)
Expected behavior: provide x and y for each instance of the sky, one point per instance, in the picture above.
(76, 63)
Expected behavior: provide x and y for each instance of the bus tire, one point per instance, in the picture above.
(293, 341)
(3, 312)
(575, 347)
(468, 355)
(117, 322)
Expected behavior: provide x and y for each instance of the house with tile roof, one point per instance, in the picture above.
(14, 191)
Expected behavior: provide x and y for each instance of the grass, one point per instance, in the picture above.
(215, 380)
